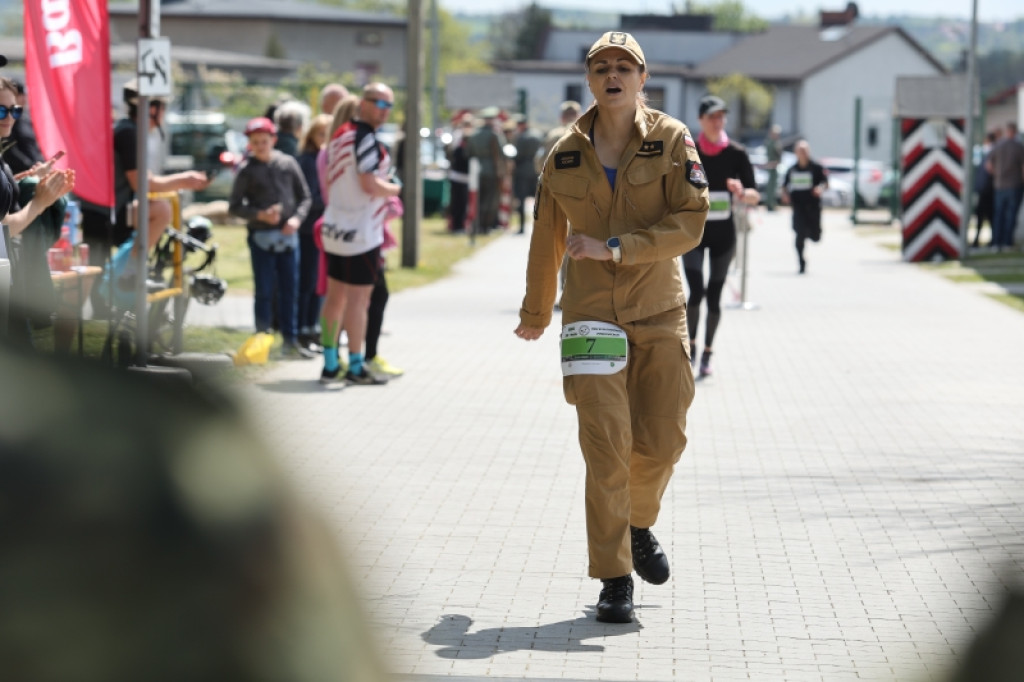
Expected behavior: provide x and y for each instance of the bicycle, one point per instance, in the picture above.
(168, 293)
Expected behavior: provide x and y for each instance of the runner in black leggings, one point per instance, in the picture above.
(730, 177)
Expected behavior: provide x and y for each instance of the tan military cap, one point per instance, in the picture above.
(620, 40)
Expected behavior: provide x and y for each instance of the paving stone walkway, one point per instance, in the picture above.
(850, 505)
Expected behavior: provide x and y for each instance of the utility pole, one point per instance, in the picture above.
(147, 10)
(411, 177)
(965, 216)
(435, 59)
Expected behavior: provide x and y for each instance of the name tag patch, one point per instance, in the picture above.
(567, 160)
(652, 148)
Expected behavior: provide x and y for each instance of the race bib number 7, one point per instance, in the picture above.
(593, 348)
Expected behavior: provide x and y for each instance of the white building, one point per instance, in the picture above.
(558, 74)
(816, 75)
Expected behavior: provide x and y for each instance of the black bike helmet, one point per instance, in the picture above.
(208, 289)
(199, 228)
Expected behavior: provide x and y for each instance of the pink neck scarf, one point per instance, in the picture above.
(712, 148)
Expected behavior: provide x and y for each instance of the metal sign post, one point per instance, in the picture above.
(153, 76)
(741, 214)
(968, 187)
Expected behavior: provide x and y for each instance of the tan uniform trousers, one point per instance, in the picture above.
(632, 432)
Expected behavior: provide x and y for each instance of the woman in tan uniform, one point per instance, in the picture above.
(624, 194)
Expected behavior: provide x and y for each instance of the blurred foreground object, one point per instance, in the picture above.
(146, 534)
(996, 654)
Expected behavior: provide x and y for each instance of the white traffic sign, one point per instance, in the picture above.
(154, 67)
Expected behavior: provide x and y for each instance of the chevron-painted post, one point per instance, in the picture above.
(930, 188)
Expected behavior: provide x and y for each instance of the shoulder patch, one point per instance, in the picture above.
(651, 148)
(689, 141)
(567, 160)
(695, 174)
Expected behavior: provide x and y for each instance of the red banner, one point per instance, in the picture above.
(67, 73)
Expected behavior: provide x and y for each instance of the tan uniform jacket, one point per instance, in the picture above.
(657, 210)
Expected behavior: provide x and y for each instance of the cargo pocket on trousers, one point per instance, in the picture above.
(687, 387)
(569, 389)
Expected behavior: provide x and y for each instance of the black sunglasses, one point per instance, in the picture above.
(380, 103)
(15, 112)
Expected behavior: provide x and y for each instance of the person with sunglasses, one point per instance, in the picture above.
(358, 190)
(25, 153)
(53, 184)
(31, 288)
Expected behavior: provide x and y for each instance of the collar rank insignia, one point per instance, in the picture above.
(695, 175)
(651, 148)
(567, 160)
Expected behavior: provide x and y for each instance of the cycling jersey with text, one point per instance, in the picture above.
(353, 220)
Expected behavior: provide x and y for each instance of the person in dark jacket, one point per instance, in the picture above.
(802, 188)
(290, 118)
(309, 255)
(25, 153)
(21, 213)
(458, 175)
(270, 193)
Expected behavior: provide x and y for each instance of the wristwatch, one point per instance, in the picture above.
(615, 245)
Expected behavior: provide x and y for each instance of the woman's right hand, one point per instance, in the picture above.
(53, 186)
(528, 333)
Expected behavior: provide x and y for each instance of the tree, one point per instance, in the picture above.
(754, 98)
(730, 15)
(274, 49)
(458, 53)
(999, 70)
(521, 35)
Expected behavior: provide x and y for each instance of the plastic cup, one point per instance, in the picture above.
(55, 258)
(83, 254)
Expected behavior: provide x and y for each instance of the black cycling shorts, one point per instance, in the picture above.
(363, 269)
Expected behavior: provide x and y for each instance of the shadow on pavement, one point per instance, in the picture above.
(452, 633)
(295, 386)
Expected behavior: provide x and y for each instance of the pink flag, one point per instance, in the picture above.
(67, 72)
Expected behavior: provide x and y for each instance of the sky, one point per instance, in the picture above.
(988, 10)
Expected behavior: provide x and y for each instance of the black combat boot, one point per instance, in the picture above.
(615, 605)
(649, 560)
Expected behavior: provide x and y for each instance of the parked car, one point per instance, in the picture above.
(839, 193)
(203, 140)
(870, 177)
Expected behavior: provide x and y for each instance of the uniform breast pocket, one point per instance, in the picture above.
(570, 191)
(646, 192)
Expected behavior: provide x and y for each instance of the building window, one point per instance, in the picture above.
(655, 98)
(369, 38)
(574, 92)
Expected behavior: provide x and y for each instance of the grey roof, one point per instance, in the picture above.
(126, 53)
(576, 68)
(262, 9)
(790, 52)
(939, 96)
(660, 47)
